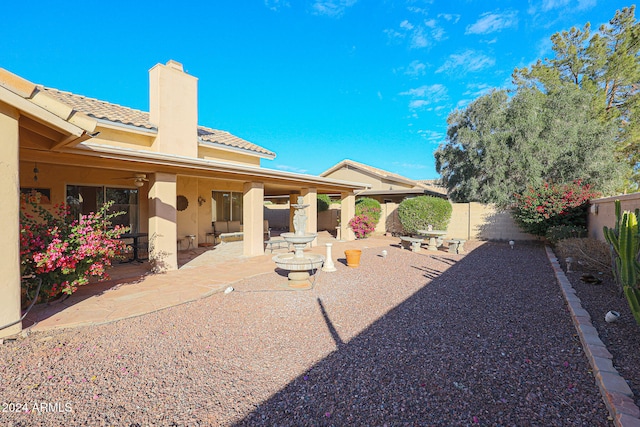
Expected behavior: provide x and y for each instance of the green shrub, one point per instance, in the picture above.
(323, 202)
(560, 232)
(369, 207)
(420, 212)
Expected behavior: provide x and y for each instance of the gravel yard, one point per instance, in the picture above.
(411, 339)
(622, 338)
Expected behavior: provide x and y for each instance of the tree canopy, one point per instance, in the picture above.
(574, 116)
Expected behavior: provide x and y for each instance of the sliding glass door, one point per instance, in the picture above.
(85, 199)
(226, 206)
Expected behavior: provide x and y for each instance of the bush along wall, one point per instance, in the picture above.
(323, 202)
(539, 208)
(367, 216)
(419, 212)
(369, 207)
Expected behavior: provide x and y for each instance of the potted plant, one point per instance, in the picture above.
(353, 257)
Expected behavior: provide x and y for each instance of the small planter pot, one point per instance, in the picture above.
(353, 257)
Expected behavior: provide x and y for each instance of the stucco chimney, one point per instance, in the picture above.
(173, 109)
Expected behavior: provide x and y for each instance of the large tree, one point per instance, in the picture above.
(607, 65)
(497, 146)
(574, 116)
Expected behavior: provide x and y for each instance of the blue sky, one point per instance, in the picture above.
(316, 81)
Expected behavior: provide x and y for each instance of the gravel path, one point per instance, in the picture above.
(413, 339)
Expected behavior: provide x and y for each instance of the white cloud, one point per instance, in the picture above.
(406, 25)
(437, 32)
(417, 104)
(419, 10)
(477, 89)
(586, 4)
(418, 39)
(467, 61)
(431, 136)
(568, 5)
(418, 36)
(276, 4)
(416, 69)
(492, 22)
(547, 5)
(451, 17)
(426, 95)
(332, 8)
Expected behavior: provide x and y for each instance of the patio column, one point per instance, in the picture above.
(347, 211)
(10, 214)
(252, 219)
(310, 196)
(163, 230)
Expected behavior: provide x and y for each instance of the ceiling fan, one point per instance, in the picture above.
(138, 179)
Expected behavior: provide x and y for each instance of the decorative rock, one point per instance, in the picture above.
(611, 316)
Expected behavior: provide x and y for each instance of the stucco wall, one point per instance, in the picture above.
(468, 221)
(278, 216)
(602, 212)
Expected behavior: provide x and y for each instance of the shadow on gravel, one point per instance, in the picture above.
(429, 273)
(487, 342)
(45, 310)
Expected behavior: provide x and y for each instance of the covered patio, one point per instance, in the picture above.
(168, 175)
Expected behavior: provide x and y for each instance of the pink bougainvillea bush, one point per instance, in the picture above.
(550, 205)
(65, 252)
(362, 226)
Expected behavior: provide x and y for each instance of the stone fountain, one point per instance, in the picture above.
(298, 263)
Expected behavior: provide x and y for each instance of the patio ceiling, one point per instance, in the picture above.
(138, 161)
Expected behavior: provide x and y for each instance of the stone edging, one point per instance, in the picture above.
(615, 391)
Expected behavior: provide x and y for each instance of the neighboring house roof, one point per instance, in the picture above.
(433, 185)
(419, 186)
(129, 116)
(375, 171)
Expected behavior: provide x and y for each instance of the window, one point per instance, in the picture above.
(86, 199)
(226, 206)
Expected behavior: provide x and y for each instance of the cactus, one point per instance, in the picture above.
(633, 298)
(625, 244)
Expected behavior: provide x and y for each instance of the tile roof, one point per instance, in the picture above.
(375, 171)
(433, 185)
(132, 117)
(429, 185)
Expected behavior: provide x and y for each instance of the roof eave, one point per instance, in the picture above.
(88, 148)
(40, 113)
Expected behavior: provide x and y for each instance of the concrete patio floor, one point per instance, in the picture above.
(133, 291)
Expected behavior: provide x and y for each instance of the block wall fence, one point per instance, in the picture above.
(468, 220)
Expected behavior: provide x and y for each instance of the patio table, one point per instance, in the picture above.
(135, 245)
(432, 235)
